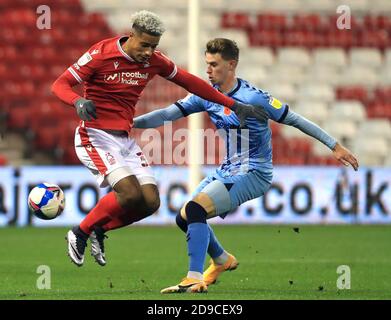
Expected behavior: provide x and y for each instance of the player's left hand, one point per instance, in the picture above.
(86, 109)
(344, 156)
(244, 111)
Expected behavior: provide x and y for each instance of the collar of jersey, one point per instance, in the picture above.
(234, 90)
(122, 50)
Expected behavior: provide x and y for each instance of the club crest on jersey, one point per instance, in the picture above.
(110, 159)
(84, 59)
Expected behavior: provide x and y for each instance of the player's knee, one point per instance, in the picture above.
(152, 205)
(204, 200)
(131, 198)
(195, 213)
(183, 212)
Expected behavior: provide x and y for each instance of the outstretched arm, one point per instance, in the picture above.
(202, 89)
(340, 152)
(158, 117)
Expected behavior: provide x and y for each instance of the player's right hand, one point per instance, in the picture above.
(86, 109)
(344, 156)
(244, 111)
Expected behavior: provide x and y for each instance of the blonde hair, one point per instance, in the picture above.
(148, 22)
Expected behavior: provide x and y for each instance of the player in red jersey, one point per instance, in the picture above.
(114, 73)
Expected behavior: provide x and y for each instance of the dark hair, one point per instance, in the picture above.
(227, 48)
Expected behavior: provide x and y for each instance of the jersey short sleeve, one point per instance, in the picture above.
(190, 104)
(86, 65)
(274, 107)
(168, 69)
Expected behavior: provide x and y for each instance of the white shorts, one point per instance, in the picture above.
(111, 158)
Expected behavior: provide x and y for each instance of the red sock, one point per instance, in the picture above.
(118, 222)
(122, 221)
(106, 209)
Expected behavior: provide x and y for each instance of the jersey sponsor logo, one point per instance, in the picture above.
(131, 78)
(275, 103)
(137, 75)
(112, 78)
(84, 59)
(220, 124)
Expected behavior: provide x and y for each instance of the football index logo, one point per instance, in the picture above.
(131, 78)
(112, 78)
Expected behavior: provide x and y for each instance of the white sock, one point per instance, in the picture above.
(195, 275)
(221, 259)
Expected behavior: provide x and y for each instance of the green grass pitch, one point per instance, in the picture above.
(276, 262)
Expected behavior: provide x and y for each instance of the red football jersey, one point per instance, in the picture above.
(114, 81)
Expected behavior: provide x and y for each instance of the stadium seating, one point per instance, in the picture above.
(372, 151)
(317, 111)
(3, 160)
(30, 107)
(330, 57)
(340, 79)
